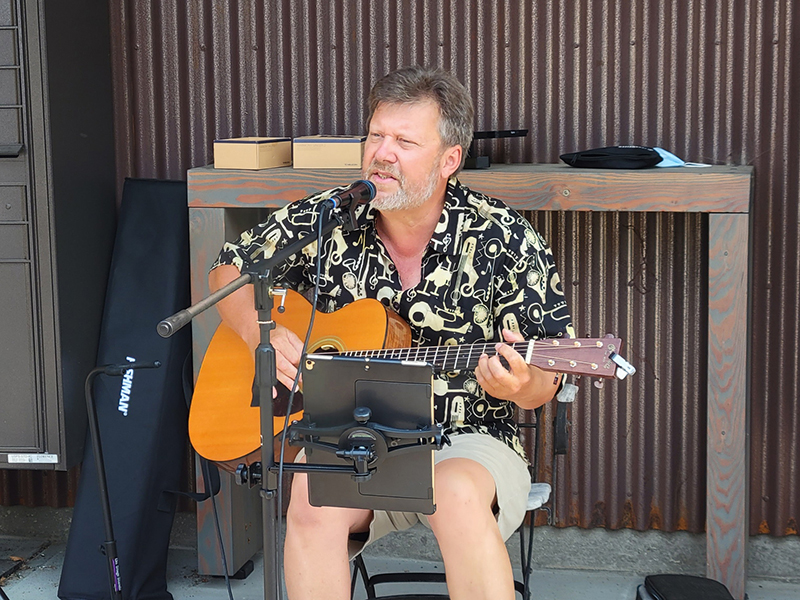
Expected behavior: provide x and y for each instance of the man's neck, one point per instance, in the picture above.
(407, 232)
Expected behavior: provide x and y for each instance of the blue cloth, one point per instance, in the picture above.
(668, 159)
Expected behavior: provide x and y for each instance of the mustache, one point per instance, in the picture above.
(387, 168)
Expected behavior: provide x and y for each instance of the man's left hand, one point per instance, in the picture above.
(526, 385)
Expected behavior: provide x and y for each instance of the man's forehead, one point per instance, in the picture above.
(407, 112)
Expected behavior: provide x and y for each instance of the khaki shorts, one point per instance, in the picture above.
(511, 479)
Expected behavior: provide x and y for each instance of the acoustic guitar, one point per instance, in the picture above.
(224, 427)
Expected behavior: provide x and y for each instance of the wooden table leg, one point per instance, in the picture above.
(727, 497)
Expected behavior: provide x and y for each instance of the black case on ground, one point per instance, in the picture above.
(681, 587)
(143, 425)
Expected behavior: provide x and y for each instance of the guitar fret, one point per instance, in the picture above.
(529, 353)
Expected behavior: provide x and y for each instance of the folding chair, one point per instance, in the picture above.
(538, 497)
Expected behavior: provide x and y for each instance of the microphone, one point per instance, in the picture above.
(360, 192)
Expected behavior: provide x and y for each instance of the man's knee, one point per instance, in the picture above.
(465, 492)
(300, 513)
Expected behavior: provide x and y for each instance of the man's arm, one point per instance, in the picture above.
(239, 313)
(532, 281)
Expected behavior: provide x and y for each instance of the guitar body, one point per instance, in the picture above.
(223, 426)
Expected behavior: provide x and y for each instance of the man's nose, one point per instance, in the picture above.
(385, 152)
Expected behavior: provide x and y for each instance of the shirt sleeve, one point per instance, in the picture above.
(529, 297)
(285, 225)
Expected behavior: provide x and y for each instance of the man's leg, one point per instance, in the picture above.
(475, 557)
(316, 563)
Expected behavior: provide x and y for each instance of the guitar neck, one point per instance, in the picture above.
(581, 356)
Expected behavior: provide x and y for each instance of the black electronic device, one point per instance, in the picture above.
(483, 162)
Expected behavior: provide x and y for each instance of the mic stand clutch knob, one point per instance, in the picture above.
(248, 475)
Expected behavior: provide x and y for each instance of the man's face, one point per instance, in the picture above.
(403, 155)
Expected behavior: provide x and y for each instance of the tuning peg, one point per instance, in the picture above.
(598, 383)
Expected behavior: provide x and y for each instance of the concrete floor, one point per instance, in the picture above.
(567, 561)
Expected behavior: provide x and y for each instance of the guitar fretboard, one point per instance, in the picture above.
(444, 358)
(581, 356)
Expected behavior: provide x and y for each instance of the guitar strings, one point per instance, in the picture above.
(465, 353)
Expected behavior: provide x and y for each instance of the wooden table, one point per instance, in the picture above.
(722, 192)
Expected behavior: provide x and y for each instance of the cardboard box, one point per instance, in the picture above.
(328, 151)
(252, 153)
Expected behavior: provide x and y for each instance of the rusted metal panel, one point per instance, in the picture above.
(636, 454)
(56, 489)
(711, 81)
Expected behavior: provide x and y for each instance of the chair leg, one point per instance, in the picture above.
(526, 558)
(526, 574)
(359, 568)
(353, 580)
(523, 560)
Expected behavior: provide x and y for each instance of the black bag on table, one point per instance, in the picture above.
(143, 425)
(681, 587)
(614, 157)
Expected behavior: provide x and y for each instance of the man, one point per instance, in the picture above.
(460, 268)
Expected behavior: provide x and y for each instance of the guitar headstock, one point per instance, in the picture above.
(581, 356)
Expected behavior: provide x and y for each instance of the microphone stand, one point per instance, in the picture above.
(265, 380)
(265, 473)
(109, 546)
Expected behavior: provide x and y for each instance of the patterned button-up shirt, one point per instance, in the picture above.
(485, 268)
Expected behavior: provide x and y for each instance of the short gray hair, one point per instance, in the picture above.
(417, 84)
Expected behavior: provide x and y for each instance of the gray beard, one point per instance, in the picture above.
(405, 198)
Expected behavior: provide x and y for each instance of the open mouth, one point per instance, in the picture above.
(382, 177)
(378, 175)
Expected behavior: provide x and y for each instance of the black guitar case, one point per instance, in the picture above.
(142, 416)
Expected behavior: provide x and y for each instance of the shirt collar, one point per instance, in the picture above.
(446, 237)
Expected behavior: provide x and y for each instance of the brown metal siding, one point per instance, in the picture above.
(710, 81)
(637, 453)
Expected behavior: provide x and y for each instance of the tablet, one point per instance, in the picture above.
(400, 395)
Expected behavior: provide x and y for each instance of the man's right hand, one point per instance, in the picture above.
(288, 351)
(239, 313)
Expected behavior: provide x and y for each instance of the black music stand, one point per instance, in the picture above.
(375, 415)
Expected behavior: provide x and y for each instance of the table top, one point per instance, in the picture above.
(717, 189)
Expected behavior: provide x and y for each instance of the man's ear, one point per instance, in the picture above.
(451, 161)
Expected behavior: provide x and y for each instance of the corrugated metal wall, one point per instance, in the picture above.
(710, 81)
